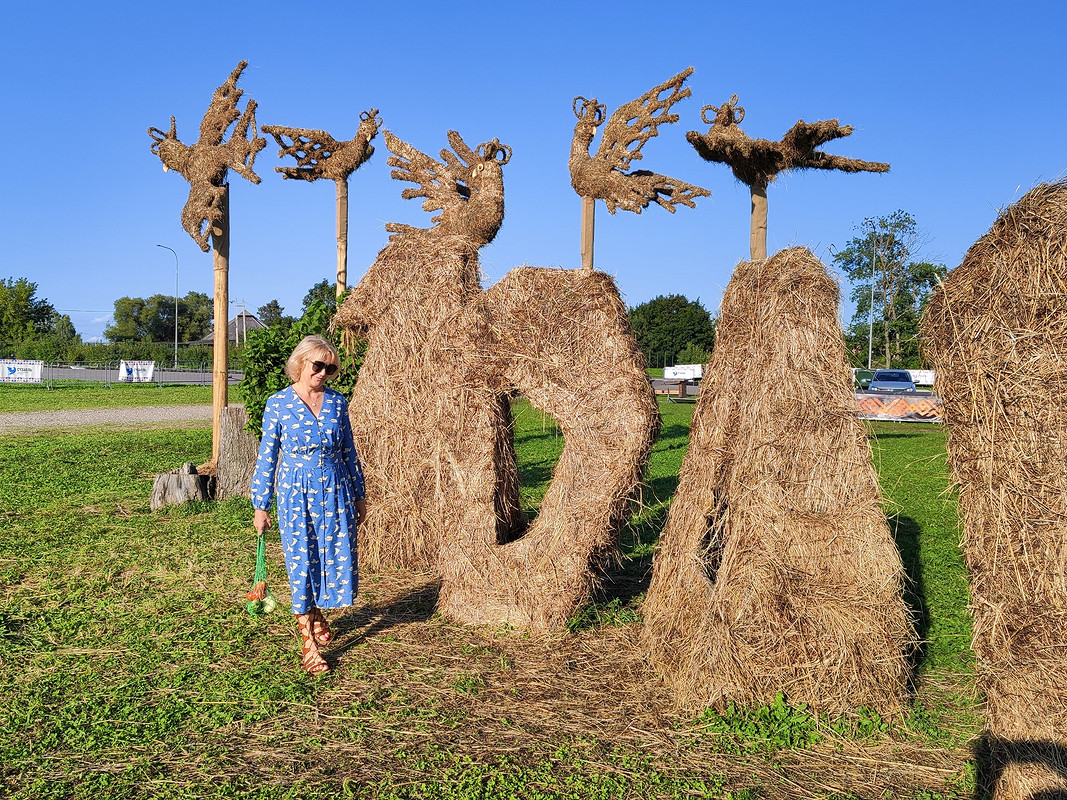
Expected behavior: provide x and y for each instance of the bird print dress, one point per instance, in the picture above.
(314, 463)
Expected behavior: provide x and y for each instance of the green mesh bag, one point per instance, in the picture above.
(260, 600)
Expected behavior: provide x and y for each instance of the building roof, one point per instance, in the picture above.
(237, 328)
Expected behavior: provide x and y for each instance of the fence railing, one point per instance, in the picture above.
(73, 373)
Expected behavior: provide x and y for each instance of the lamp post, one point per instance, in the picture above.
(870, 318)
(175, 302)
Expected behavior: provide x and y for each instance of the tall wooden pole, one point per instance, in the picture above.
(342, 236)
(757, 242)
(220, 259)
(588, 211)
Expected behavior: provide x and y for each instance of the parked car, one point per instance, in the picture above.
(862, 378)
(891, 380)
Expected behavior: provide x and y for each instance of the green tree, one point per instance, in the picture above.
(668, 325)
(886, 250)
(23, 315)
(325, 293)
(270, 313)
(152, 320)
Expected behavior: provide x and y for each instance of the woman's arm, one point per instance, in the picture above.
(266, 466)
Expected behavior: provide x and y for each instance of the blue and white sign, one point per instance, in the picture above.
(136, 371)
(684, 372)
(17, 370)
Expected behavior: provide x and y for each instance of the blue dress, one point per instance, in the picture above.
(319, 481)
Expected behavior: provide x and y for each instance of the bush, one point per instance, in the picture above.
(268, 349)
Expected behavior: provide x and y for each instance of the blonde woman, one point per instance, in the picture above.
(307, 452)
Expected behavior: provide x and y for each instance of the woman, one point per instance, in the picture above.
(307, 451)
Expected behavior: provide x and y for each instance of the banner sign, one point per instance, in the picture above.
(136, 371)
(683, 372)
(17, 370)
(903, 407)
(922, 377)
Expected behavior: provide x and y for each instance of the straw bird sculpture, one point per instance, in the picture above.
(319, 155)
(432, 417)
(605, 176)
(205, 163)
(757, 162)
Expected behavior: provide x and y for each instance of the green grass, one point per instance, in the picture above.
(129, 667)
(36, 397)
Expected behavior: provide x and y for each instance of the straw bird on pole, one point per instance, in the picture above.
(757, 162)
(206, 212)
(604, 176)
(319, 155)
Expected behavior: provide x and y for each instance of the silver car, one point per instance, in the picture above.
(891, 380)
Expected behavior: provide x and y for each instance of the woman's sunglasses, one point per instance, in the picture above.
(319, 366)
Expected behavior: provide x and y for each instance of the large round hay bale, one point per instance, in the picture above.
(776, 571)
(997, 333)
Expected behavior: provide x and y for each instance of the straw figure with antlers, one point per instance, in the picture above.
(205, 165)
(757, 162)
(319, 155)
(431, 413)
(604, 176)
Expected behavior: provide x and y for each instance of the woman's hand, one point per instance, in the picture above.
(261, 521)
(361, 510)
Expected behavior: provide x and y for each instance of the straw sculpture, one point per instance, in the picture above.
(757, 162)
(319, 155)
(431, 414)
(560, 338)
(605, 176)
(404, 307)
(997, 334)
(776, 570)
(205, 163)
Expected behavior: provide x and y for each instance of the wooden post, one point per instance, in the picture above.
(342, 236)
(757, 243)
(220, 259)
(588, 210)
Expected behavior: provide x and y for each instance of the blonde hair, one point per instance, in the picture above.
(311, 348)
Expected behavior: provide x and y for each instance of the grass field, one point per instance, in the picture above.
(129, 667)
(36, 397)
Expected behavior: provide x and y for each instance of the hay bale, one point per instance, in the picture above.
(997, 333)
(562, 339)
(776, 570)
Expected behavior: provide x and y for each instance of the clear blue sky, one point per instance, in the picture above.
(965, 101)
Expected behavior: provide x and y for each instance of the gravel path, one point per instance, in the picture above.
(36, 420)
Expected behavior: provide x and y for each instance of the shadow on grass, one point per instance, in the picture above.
(906, 532)
(993, 755)
(370, 620)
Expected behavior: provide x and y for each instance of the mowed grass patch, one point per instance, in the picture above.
(129, 667)
(37, 397)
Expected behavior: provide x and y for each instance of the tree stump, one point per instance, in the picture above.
(180, 486)
(237, 455)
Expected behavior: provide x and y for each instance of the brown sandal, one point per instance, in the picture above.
(311, 660)
(320, 628)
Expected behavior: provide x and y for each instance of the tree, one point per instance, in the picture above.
(671, 324)
(152, 320)
(22, 314)
(270, 313)
(322, 292)
(901, 289)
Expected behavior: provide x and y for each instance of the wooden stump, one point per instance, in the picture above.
(237, 455)
(181, 485)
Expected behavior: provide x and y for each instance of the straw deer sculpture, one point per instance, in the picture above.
(431, 410)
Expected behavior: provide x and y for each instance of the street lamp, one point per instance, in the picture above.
(175, 302)
(870, 318)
